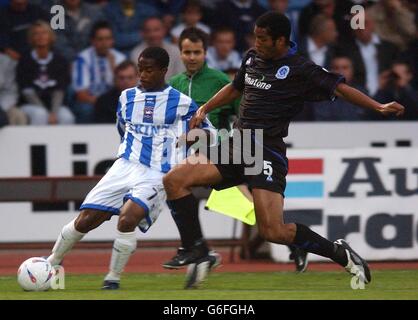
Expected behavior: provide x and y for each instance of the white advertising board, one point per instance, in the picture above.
(367, 195)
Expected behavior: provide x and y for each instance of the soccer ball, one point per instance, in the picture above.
(35, 274)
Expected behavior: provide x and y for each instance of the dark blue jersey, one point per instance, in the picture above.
(274, 91)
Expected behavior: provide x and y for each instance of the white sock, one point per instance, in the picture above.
(66, 240)
(123, 246)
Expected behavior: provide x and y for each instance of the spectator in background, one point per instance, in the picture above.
(221, 55)
(240, 16)
(318, 46)
(79, 19)
(93, 71)
(170, 10)
(43, 76)
(191, 16)
(15, 20)
(106, 105)
(396, 84)
(153, 33)
(339, 109)
(394, 22)
(370, 54)
(324, 7)
(339, 10)
(126, 17)
(9, 92)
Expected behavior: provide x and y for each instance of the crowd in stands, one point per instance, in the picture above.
(75, 74)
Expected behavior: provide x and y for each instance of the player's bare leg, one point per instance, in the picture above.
(194, 171)
(90, 219)
(74, 231)
(296, 254)
(268, 206)
(125, 243)
(269, 213)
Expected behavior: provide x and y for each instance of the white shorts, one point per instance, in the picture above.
(124, 181)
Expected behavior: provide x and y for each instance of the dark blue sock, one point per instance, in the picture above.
(310, 241)
(185, 212)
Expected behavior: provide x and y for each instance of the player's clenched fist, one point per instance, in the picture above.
(198, 118)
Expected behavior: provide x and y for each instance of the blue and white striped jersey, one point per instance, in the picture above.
(94, 73)
(150, 124)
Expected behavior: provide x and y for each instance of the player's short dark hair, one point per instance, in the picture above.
(99, 25)
(159, 55)
(194, 35)
(276, 24)
(125, 65)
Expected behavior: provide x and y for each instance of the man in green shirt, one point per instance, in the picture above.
(199, 81)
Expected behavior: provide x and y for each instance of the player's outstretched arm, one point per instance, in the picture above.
(224, 96)
(358, 98)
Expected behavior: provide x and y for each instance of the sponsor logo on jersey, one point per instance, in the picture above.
(257, 83)
(282, 72)
(149, 130)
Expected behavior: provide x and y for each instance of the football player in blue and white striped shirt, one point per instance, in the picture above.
(151, 118)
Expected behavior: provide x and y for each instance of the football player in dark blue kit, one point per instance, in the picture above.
(274, 82)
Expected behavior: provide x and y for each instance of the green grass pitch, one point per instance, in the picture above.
(229, 286)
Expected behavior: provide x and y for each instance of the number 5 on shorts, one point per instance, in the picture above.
(267, 169)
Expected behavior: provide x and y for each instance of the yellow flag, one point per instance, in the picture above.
(232, 202)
